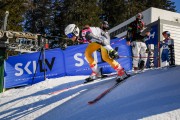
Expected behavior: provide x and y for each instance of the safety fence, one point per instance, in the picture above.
(32, 68)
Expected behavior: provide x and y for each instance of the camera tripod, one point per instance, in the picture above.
(42, 54)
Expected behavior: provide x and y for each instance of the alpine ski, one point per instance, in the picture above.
(99, 97)
(81, 84)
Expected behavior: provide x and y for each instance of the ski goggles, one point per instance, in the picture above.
(70, 35)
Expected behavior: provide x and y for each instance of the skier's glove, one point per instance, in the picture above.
(113, 54)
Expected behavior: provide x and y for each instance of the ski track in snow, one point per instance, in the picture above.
(151, 95)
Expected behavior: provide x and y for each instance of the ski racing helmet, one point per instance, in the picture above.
(71, 30)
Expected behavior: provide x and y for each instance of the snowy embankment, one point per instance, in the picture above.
(153, 94)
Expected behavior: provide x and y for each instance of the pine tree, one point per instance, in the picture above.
(79, 12)
(56, 21)
(16, 10)
(38, 17)
(135, 6)
(117, 11)
(162, 4)
(114, 10)
(169, 5)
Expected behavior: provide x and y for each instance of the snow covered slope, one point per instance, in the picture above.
(154, 95)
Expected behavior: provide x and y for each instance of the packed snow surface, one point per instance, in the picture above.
(151, 95)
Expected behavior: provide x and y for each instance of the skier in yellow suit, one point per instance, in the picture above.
(98, 38)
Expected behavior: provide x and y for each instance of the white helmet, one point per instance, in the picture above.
(71, 30)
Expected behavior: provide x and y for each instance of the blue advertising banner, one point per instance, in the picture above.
(20, 70)
(153, 39)
(124, 52)
(76, 63)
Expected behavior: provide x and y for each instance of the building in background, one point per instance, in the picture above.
(159, 20)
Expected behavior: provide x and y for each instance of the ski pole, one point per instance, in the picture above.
(135, 57)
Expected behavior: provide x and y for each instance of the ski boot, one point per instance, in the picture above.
(94, 75)
(135, 70)
(121, 74)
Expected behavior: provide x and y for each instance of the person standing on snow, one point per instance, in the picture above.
(136, 40)
(98, 39)
(167, 56)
